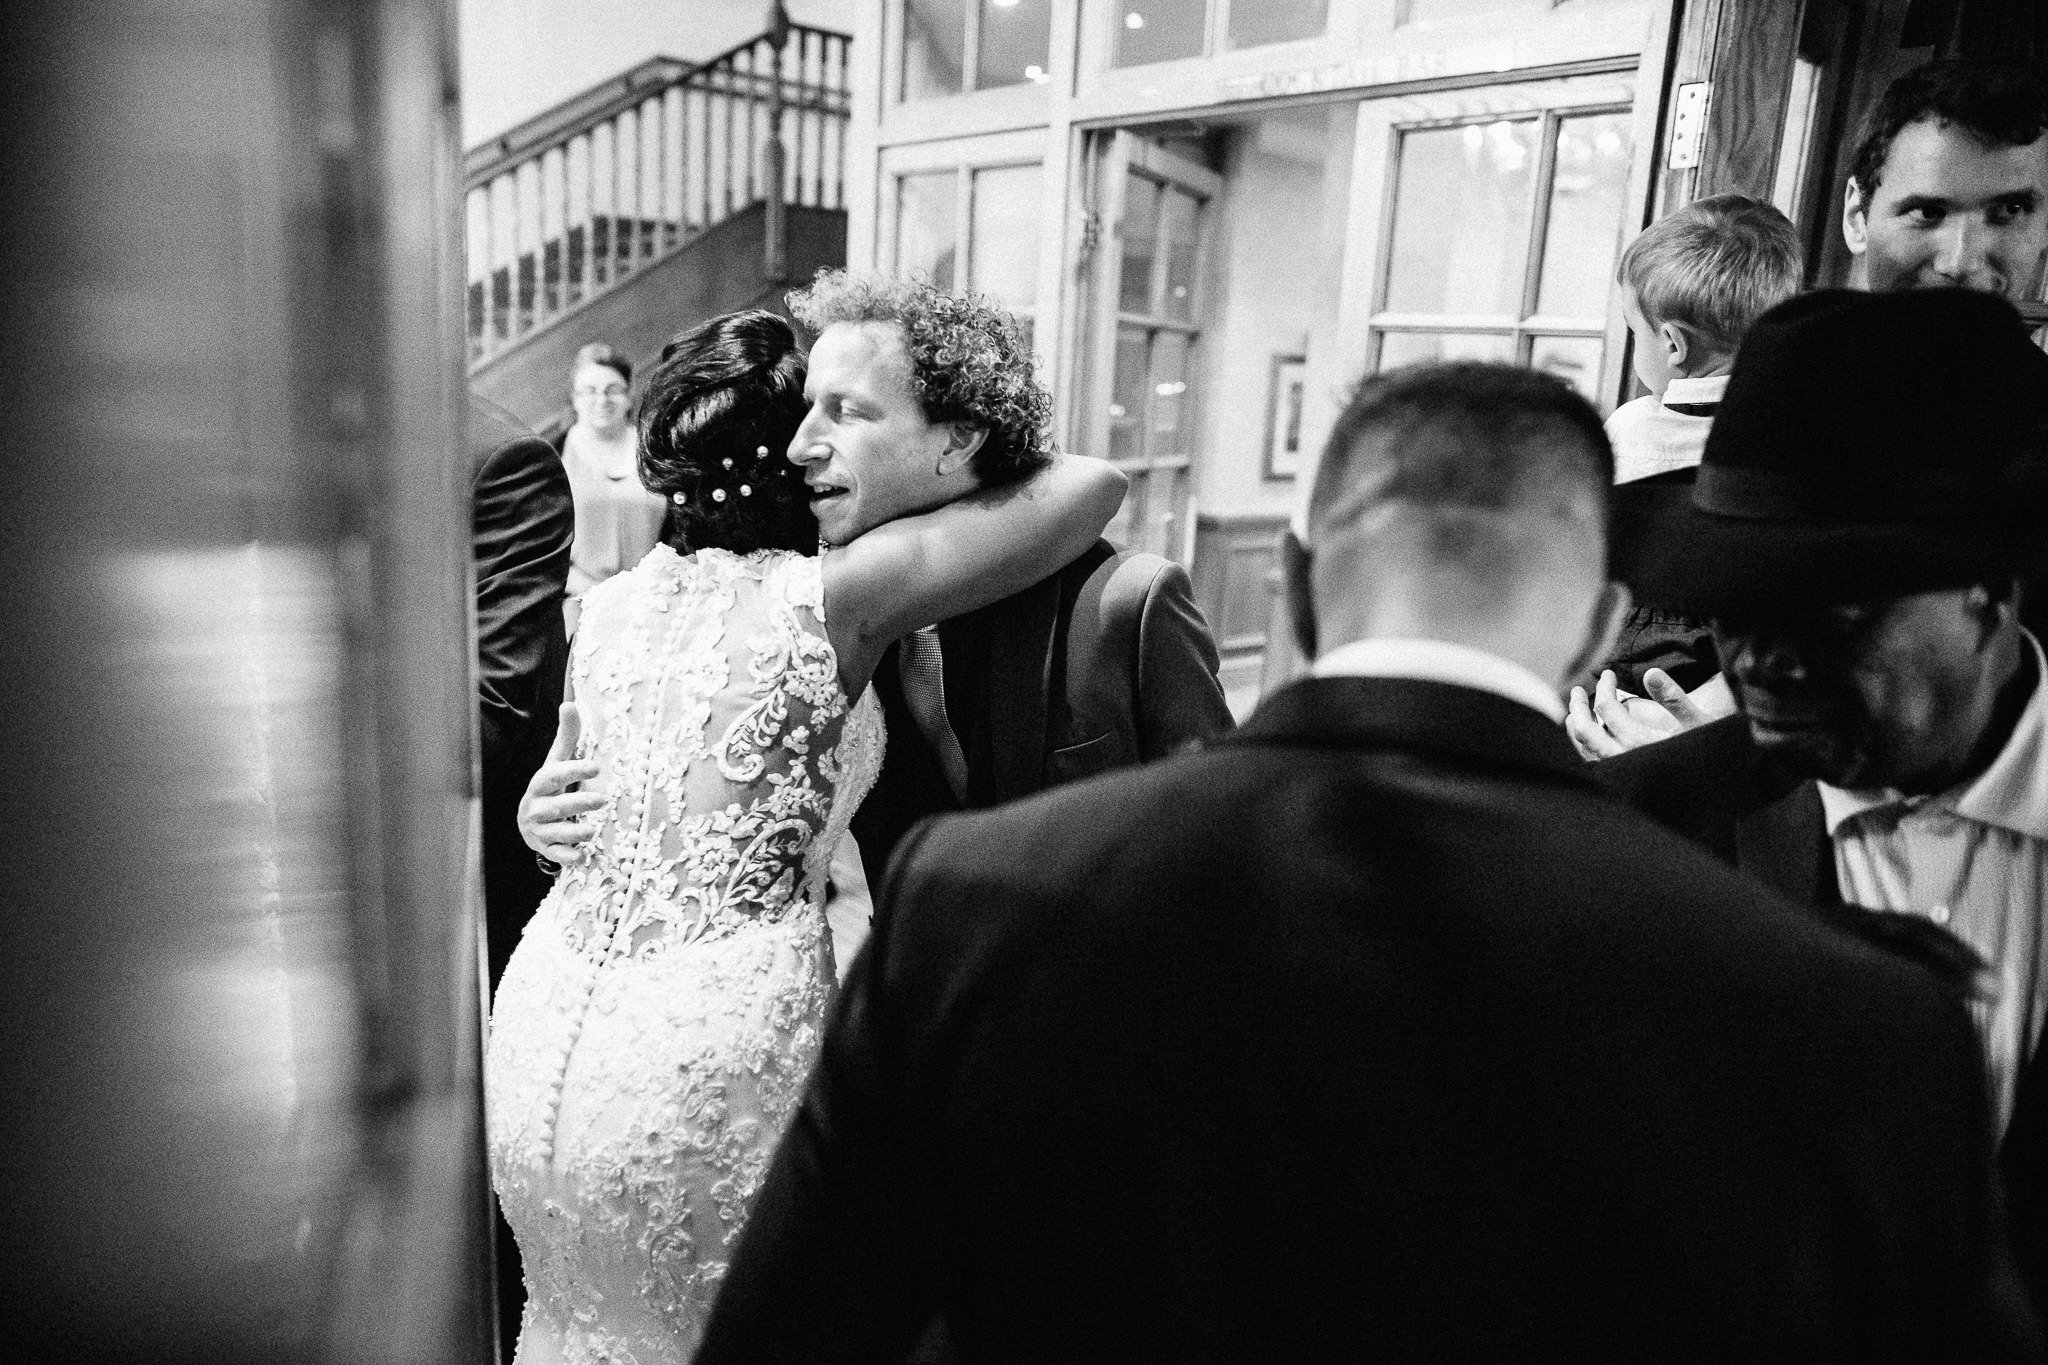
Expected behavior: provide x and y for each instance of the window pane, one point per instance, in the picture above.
(1015, 38)
(1586, 192)
(924, 227)
(1576, 359)
(1004, 259)
(1461, 219)
(1160, 30)
(1169, 384)
(934, 43)
(1415, 348)
(1139, 233)
(1127, 394)
(1253, 22)
(1180, 209)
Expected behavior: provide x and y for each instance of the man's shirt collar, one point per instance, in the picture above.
(1441, 661)
(2011, 794)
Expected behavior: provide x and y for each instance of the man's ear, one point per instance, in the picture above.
(962, 441)
(1296, 564)
(1855, 219)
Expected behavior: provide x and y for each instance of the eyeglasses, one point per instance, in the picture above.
(608, 391)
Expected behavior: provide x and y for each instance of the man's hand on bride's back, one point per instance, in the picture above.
(550, 815)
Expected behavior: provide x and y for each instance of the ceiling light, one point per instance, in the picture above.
(1134, 20)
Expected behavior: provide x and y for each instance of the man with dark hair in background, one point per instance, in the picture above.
(1949, 187)
(1378, 1031)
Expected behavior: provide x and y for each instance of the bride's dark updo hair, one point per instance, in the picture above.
(715, 425)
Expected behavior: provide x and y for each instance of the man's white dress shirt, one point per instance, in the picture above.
(1973, 858)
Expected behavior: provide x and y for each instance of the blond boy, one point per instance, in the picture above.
(1691, 283)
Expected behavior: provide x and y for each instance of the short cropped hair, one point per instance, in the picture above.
(970, 362)
(1716, 265)
(1998, 103)
(721, 408)
(1463, 437)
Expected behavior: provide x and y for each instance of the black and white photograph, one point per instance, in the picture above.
(1025, 682)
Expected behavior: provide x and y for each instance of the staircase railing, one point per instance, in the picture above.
(572, 204)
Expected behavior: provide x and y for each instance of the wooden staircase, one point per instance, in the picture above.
(666, 195)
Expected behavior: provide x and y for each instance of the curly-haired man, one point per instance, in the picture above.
(917, 398)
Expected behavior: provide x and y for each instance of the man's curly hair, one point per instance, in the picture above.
(970, 362)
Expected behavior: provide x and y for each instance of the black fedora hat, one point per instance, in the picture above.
(1868, 445)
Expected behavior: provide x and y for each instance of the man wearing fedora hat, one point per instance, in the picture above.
(1874, 490)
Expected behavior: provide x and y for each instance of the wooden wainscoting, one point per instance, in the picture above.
(1236, 577)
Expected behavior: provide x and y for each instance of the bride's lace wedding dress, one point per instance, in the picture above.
(654, 1029)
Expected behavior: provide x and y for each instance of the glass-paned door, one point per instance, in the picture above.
(1506, 214)
(1146, 327)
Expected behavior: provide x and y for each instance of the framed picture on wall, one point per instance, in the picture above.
(1284, 386)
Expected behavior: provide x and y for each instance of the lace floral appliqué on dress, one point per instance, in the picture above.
(656, 1024)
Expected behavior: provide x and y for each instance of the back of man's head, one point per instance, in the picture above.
(2000, 104)
(1715, 266)
(1464, 502)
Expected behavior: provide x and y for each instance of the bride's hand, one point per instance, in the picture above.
(549, 813)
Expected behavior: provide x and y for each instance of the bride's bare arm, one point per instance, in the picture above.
(918, 570)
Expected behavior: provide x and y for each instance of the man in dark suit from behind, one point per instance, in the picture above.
(1874, 491)
(1379, 1031)
(521, 523)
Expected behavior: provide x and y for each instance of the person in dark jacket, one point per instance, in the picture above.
(521, 527)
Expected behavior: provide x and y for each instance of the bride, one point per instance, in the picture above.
(655, 1026)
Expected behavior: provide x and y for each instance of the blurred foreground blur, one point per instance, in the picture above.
(239, 981)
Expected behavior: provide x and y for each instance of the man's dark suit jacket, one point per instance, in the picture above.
(1653, 634)
(522, 521)
(1104, 664)
(1711, 785)
(1376, 1032)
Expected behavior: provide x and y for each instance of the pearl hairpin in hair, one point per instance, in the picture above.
(679, 499)
(762, 451)
(718, 495)
(746, 491)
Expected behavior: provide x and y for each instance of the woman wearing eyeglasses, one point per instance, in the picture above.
(617, 520)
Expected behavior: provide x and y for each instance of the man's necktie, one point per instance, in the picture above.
(923, 671)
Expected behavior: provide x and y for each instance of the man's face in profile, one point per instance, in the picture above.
(1864, 694)
(1950, 212)
(867, 449)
